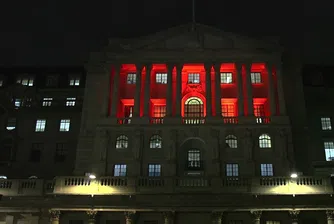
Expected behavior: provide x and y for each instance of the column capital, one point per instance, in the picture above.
(294, 214)
(54, 214)
(217, 216)
(208, 66)
(129, 215)
(217, 66)
(256, 214)
(91, 214)
(168, 215)
(148, 66)
(330, 214)
(139, 67)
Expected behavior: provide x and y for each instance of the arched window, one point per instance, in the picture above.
(231, 141)
(156, 142)
(194, 159)
(122, 142)
(193, 107)
(264, 141)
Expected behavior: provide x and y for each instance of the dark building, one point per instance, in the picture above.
(189, 125)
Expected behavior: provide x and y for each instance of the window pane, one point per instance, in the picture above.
(267, 170)
(326, 123)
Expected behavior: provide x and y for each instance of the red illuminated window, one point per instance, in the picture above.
(131, 78)
(226, 78)
(193, 78)
(256, 77)
(128, 111)
(159, 111)
(161, 78)
(259, 111)
(228, 110)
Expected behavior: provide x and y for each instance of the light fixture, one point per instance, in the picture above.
(92, 176)
(294, 175)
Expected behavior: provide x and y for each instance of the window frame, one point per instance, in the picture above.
(154, 141)
(326, 123)
(192, 78)
(267, 170)
(256, 78)
(40, 125)
(65, 125)
(224, 78)
(154, 168)
(120, 170)
(161, 78)
(232, 170)
(131, 78)
(265, 141)
(233, 140)
(122, 140)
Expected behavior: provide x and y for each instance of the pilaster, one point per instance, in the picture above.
(256, 216)
(169, 98)
(54, 216)
(240, 90)
(218, 90)
(208, 92)
(169, 217)
(179, 68)
(249, 88)
(136, 110)
(130, 217)
(147, 90)
(115, 90)
(271, 90)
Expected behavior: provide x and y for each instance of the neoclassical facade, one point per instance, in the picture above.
(186, 125)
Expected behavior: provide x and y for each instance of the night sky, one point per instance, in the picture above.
(59, 32)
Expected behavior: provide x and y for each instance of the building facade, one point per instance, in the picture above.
(187, 125)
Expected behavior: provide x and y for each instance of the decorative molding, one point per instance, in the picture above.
(54, 215)
(91, 214)
(256, 215)
(294, 215)
(330, 214)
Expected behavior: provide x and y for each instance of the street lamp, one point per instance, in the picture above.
(294, 175)
(92, 176)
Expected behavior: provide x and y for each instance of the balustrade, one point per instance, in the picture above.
(131, 185)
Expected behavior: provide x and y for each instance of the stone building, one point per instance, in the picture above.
(191, 124)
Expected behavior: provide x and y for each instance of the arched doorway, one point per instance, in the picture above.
(194, 110)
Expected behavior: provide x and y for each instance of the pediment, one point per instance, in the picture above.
(201, 38)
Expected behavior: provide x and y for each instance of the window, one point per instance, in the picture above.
(28, 102)
(51, 80)
(40, 125)
(194, 159)
(273, 222)
(154, 170)
(11, 124)
(226, 78)
(159, 111)
(155, 142)
(267, 170)
(61, 153)
(193, 78)
(120, 170)
(64, 125)
(231, 141)
(194, 107)
(228, 110)
(18, 102)
(122, 142)
(27, 81)
(161, 78)
(47, 102)
(329, 151)
(326, 123)
(36, 152)
(74, 81)
(131, 78)
(264, 141)
(256, 77)
(232, 170)
(70, 102)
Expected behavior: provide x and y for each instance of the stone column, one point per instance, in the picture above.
(169, 217)
(54, 216)
(330, 216)
(208, 90)
(249, 90)
(106, 93)
(169, 97)
(91, 216)
(240, 89)
(147, 90)
(217, 217)
(256, 217)
(218, 91)
(115, 91)
(136, 110)
(294, 216)
(179, 68)
(271, 90)
(130, 217)
(280, 91)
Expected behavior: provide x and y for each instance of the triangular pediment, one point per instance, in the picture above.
(193, 37)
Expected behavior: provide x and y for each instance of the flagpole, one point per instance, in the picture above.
(193, 19)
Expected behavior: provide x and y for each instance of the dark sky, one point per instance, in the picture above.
(62, 32)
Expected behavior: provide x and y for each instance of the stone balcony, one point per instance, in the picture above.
(165, 185)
